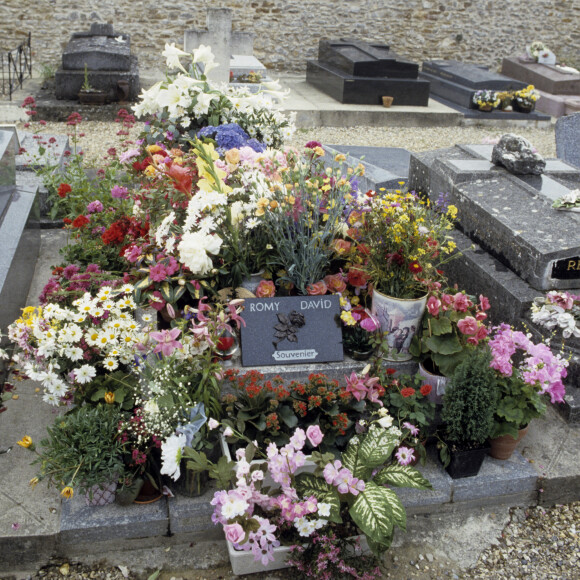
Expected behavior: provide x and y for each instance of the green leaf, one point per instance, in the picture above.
(166, 292)
(308, 484)
(440, 326)
(373, 449)
(155, 575)
(376, 511)
(286, 414)
(444, 344)
(142, 284)
(402, 476)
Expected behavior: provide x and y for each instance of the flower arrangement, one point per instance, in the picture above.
(268, 411)
(559, 310)
(359, 326)
(403, 239)
(79, 353)
(524, 386)
(185, 102)
(569, 201)
(452, 327)
(486, 99)
(525, 98)
(343, 493)
(535, 49)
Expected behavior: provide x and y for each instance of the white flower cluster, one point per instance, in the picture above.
(64, 347)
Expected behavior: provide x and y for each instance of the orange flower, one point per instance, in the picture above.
(407, 392)
(26, 441)
(67, 492)
(317, 289)
(109, 397)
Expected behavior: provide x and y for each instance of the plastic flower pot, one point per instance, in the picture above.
(466, 462)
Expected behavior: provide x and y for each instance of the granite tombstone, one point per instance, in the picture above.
(568, 139)
(291, 330)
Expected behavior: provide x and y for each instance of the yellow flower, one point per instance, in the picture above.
(29, 314)
(452, 211)
(149, 170)
(347, 318)
(26, 441)
(67, 492)
(109, 397)
(33, 482)
(319, 151)
(154, 149)
(339, 157)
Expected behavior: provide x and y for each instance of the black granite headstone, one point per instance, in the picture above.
(567, 269)
(291, 330)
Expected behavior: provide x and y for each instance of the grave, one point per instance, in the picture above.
(453, 83)
(111, 66)
(355, 72)
(19, 233)
(384, 166)
(523, 247)
(568, 139)
(558, 86)
(227, 46)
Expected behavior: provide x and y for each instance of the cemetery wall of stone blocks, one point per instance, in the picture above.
(287, 31)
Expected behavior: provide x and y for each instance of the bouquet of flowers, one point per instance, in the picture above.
(526, 98)
(486, 98)
(81, 352)
(535, 49)
(524, 386)
(359, 326)
(345, 493)
(405, 238)
(558, 310)
(185, 102)
(569, 201)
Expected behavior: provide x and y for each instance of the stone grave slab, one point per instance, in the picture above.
(193, 514)
(508, 216)
(356, 72)
(544, 77)
(568, 139)
(80, 523)
(291, 330)
(384, 166)
(453, 84)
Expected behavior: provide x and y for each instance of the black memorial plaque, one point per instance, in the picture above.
(566, 269)
(291, 330)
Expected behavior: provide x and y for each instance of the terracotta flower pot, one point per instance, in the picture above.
(504, 446)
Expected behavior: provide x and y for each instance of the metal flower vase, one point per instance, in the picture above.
(400, 319)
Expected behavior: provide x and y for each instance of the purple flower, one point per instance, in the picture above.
(95, 207)
(119, 192)
(129, 154)
(331, 471)
(405, 455)
(412, 429)
(167, 341)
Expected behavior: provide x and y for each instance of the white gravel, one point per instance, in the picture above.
(99, 136)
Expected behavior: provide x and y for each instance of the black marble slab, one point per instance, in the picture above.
(366, 90)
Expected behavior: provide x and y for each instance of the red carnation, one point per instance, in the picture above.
(80, 222)
(426, 389)
(407, 392)
(357, 277)
(63, 189)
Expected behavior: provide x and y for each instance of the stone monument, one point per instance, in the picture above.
(355, 72)
(110, 65)
(568, 139)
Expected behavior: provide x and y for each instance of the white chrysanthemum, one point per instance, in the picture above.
(194, 249)
(46, 348)
(85, 374)
(59, 389)
(73, 353)
(110, 363)
(51, 398)
(163, 229)
(171, 450)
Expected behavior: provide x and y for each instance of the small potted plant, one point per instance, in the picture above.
(524, 100)
(88, 95)
(485, 100)
(83, 451)
(468, 413)
(524, 387)
(359, 327)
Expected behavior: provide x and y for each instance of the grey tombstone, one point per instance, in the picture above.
(544, 77)
(568, 139)
(291, 330)
(110, 66)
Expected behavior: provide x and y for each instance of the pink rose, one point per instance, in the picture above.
(318, 289)
(234, 533)
(467, 325)
(335, 283)
(266, 289)
(433, 305)
(314, 435)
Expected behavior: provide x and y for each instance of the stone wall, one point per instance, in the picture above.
(287, 31)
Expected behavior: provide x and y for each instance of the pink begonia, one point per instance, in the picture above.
(433, 305)
(133, 253)
(234, 533)
(461, 302)
(314, 435)
(467, 325)
(157, 273)
(446, 301)
(167, 341)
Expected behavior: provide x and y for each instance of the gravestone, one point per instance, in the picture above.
(568, 139)
(355, 72)
(384, 166)
(453, 83)
(291, 330)
(223, 41)
(19, 234)
(107, 56)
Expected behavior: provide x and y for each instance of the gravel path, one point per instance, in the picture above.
(99, 136)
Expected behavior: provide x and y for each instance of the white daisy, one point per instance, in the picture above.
(171, 450)
(85, 374)
(110, 363)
